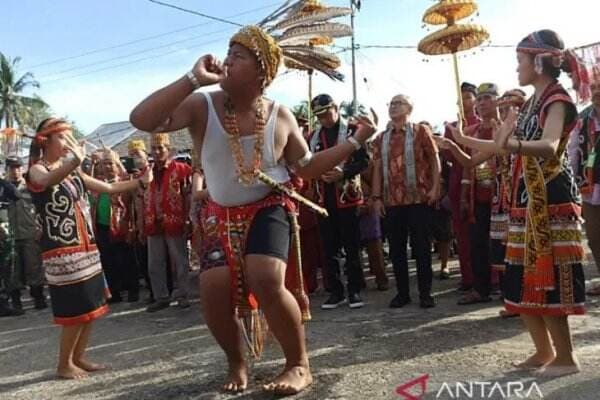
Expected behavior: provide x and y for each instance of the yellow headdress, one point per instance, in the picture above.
(265, 48)
(136, 145)
(160, 139)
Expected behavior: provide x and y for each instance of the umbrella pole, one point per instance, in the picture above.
(461, 108)
(309, 108)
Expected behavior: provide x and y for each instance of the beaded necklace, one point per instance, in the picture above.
(245, 175)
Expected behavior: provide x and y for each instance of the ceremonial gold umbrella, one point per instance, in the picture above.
(454, 37)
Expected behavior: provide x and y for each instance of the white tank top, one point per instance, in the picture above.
(219, 167)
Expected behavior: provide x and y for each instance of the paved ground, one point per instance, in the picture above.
(358, 354)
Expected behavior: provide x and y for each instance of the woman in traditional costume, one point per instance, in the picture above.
(544, 253)
(78, 289)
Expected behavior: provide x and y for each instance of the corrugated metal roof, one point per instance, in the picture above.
(117, 136)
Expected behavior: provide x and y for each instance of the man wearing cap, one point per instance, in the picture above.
(166, 224)
(479, 178)
(8, 193)
(246, 225)
(339, 191)
(28, 257)
(457, 190)
(406, 183)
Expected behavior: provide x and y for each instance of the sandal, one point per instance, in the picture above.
(473, 298)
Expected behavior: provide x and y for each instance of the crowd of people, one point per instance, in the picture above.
(501, 186)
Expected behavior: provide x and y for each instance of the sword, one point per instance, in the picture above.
(267, 180)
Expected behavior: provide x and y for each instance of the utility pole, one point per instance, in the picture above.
(354, 99)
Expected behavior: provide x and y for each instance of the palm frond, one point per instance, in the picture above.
(25, 81)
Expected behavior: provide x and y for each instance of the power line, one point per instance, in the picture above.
(381, 46)
(103, 49)
(135, 61)
(195, 12)
(131, 54)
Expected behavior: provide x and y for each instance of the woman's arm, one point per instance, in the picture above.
(116, 187)
(481, 145)
(547, 146)
(43, 178)
(110, 188)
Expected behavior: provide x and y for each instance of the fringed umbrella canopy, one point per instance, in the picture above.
(453, 39)
(449, 11)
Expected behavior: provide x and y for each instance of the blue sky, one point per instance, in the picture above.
(103, 86)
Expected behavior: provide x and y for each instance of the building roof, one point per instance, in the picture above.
(117, 136)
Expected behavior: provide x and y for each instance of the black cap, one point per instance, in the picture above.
(13, 162)
(468, 87)
(321, 104)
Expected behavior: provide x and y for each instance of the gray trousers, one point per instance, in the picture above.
(158, 245)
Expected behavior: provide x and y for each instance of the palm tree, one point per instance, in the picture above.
(14, 105)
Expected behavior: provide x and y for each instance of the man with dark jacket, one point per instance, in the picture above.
(340, 193)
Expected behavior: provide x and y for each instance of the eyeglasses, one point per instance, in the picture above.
(397, 103)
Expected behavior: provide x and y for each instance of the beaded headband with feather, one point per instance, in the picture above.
(579, 73)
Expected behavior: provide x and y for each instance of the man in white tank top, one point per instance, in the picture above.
(241, 110)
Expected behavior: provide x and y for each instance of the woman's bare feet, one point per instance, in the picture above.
(560, 366)
(70, 371)
(534, 362)
(237, 378)
(90, 366)
(291, 381)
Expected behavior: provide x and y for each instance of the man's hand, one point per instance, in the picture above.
(378, 208)
(208, 70)
(335, 175)
(433, 195)
(366, 129)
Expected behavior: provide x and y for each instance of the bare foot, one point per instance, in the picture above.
(71, 372)
(90, 366)
(291, 381)
(534, 362)
(237, 379)
(555, 369)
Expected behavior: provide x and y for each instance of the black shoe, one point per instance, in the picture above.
(354, 300)
(39, 303)
(399, 301)
(15, 299)
(6, 311)
(333, 302)
(39, 299)
(158, 305)
(427, 302)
